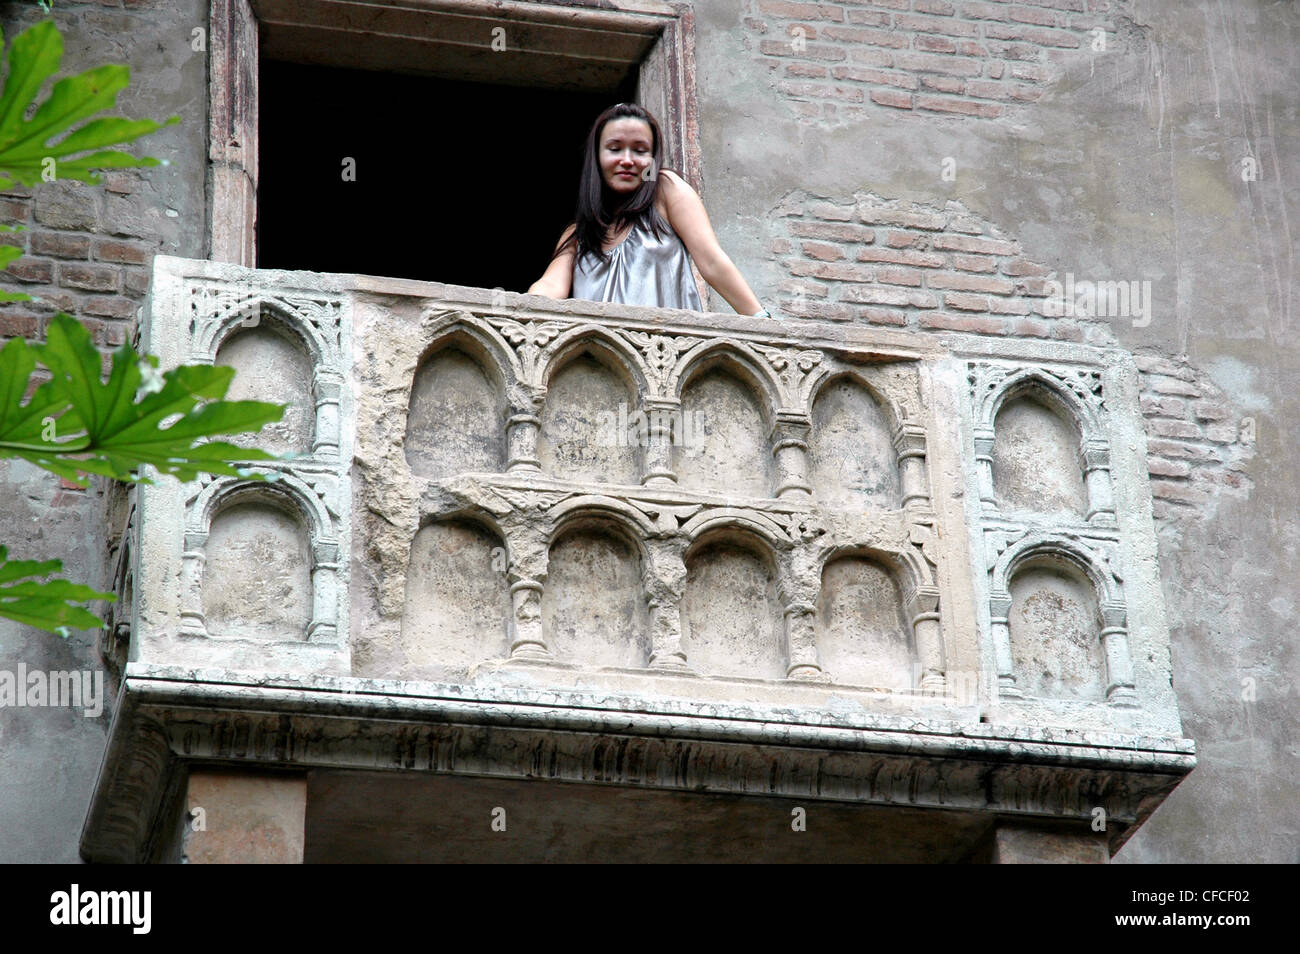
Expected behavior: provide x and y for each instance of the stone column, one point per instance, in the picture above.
(999, 610)
(328, 387)
(790, 449)
(1120, 688)
(193, 560)
(984, 466)
(1096, 475)
(665, 427)
(244, 818)
(928, 631)
(798, 588)
(527, 575)
(522, 428)
(909, 444)
(665, 581)
(325, 600)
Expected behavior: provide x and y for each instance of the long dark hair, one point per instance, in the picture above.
(599, 208)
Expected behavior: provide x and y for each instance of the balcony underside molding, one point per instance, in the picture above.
(168, 721)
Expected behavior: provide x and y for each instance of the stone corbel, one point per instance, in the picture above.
(522, 428)
(909, 444)
(790, 449)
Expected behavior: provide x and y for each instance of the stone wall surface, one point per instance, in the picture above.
(911, 166)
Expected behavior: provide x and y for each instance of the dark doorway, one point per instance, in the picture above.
(456, 182)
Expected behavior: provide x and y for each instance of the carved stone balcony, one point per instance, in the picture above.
(515, 538)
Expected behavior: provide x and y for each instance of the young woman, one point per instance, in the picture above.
(638, 226)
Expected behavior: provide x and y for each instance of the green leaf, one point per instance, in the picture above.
(49, 605)
(25, 145)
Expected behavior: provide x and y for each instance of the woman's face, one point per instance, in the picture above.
(626, 153)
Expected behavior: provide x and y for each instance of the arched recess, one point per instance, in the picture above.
(240, 553)
(457, 598)
(271, 364)
(732, 618)
(1036, 456)
(311, 326)
(594, 605)
(456, 416)
(728, 403)
(1060, 627)
(864, 636)
(588, 421)
(853, 460)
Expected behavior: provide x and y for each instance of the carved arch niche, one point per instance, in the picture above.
(1040, 443)
(852, 456)
(261, 562)
(456, 418)
(1059, 622)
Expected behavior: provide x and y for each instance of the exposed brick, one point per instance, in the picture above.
(864, 74)
(1200, 453)
(876, 295)
(965, 302)
(975, 324)
(1179, 492)
(1067, 330)
(831, 232)
(878, 215)
(1164, 428)
(1164, 406)
(836, 213)
(1018, 267)
(944, 104)
(883, 316)
(974, 263)
(871, 37)
(944, 84)
(976, 283)
(825, 311)
(60, 245)
(1009, 306)
(1167, 468)
(67, 205)
(833, 271)
(109, 306)
(50, 299)
(1042, 37)
(923, 24)
(965, 243)
(30, 270)
(897, 239)
(870, 17)
(937, 63)
(996, 69)
(806, 70)
(821, 90)
(1030, 328)
(780, 246)
(889, 97)
(1014, 51)
(983, 11)
(16, 323)
(1028, 71)
(1221, 433)
(1036, 16)
(822, 252)
(1169, 385)
(812, 51)
(902, 257)
(871, 56)
(892, 4)
(15, 211)
(939, 7)
(800, 11)
(893, 275)
(135, 281)
(1160, 365)
(88, 277)
(1211, 411)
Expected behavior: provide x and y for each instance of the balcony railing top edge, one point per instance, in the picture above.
(865, 343)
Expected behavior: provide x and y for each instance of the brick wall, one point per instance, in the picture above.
(865, 259)
(837, 60)
(87, 251)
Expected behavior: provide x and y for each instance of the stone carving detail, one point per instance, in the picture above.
(796, 368)
(662, 353)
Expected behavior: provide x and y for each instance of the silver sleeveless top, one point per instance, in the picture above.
(642, 270)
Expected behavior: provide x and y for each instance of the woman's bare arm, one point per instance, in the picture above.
(690, 221)
(557, 280)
